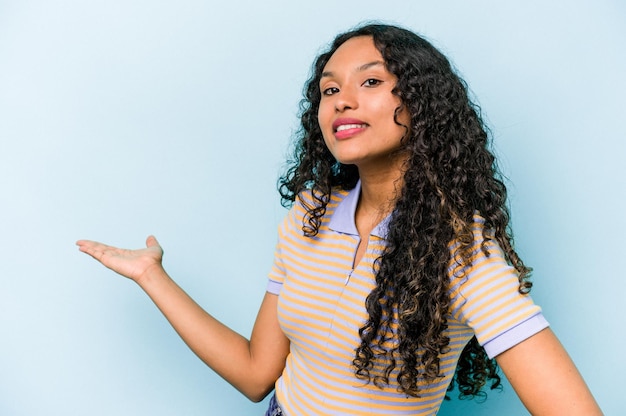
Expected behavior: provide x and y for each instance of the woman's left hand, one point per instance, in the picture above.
(133, 264)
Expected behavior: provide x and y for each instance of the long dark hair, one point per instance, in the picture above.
(450, 176)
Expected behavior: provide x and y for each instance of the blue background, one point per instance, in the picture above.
(123, 118)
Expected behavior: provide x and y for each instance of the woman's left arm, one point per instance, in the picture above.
(545, 377)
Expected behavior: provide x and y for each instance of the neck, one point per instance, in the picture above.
(380, 188)
(379, 192)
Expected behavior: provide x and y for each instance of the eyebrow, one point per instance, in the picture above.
(359, 69)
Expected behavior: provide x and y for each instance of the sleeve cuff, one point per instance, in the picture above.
(274, 287)
(515, 335)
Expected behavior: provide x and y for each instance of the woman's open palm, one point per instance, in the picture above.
(129, 263)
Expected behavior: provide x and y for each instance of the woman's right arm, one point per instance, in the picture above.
(252, 366)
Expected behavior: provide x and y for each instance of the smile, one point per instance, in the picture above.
(350, 126)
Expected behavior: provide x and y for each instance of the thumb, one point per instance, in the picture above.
(151, 241)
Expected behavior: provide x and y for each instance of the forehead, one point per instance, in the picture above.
(353, 53)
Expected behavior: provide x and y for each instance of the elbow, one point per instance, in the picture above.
(257, 398)
(257, 391)
(257, 395)
(255, 385)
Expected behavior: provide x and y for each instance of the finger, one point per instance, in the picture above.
(85, 245)
(89, 245)
(94, 249)
(90, 248)
(151, 241)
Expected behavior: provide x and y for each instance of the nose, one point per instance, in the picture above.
(346, 99)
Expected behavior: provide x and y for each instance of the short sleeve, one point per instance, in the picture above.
(486, 298)
(274, 287)
(277, 273)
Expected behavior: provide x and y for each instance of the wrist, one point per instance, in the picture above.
(151, 275)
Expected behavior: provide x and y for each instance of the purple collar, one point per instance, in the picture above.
(342, 220)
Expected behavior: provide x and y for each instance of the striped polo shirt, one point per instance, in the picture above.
(321, 308)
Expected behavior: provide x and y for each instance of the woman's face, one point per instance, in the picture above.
(356, 112)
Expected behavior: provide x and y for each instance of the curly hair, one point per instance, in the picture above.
(450, 176)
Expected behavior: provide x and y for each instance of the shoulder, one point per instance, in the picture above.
(475, 248)
(306, 202)
(480, 263)
(306, 197)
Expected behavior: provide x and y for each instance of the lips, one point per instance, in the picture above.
(342, 124)
(349, 126)
(344, 128)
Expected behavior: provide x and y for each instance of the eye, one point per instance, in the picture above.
(330, 91)
(372, 82)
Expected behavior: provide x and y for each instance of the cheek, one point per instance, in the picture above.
(323, 115)
(323, 123)
(324, 120)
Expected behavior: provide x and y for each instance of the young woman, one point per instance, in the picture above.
(394, 274)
